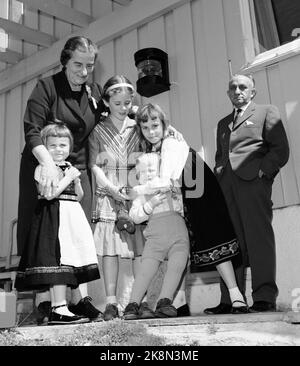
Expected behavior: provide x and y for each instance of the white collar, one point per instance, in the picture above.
(243, 108)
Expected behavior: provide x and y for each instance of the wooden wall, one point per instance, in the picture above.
(200, 36)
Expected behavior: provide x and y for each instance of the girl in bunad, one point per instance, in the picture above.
(60, 250)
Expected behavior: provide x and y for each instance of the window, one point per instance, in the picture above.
(274, 22)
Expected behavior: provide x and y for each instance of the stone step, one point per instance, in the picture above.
(240, 329)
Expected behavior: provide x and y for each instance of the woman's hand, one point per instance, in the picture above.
(48, 180)
(172, 132)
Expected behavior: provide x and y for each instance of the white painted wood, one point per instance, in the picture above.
(173, 70)
(154, 36)
(274, 55)
(15, 14)
(26, 91)
(187, 77)
(275, 97)
(122, 2)
(247, 34)
(30, 20)
(4, 37)
(60, 11)
(10, 57)
(26, 33)
(100, 8)
(234, 33)
(207, 124)
(101, 31)
(105, 67)
(290, 104)
(11, 160)
(61, 28)
(2, 155)
(126, 48)
(83, 7)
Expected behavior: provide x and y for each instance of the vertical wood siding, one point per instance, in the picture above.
(199, 38)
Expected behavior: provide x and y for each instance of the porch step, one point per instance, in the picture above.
(240, 329)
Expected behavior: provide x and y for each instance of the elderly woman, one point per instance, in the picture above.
(69, 97)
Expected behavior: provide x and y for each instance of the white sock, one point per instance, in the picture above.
(41, 297)
(111, 300)
(144, 299)
(235, 294)
(180, 299)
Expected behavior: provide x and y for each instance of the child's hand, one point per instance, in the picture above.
(116, 194)
(72, 173)
(157, 199)
(172, 132)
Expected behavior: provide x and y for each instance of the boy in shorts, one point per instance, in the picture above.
(166, 237)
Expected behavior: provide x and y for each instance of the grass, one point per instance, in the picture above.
(114, 333)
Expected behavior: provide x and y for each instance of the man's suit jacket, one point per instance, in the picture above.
(258, 141)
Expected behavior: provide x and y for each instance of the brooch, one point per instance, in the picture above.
(90, 97)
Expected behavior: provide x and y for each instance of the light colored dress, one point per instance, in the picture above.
(115, 153)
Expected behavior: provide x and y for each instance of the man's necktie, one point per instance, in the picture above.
(237, 114)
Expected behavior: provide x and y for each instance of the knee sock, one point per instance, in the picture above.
(111, 300)
(180, 299)
(235, 294)
(42, 297)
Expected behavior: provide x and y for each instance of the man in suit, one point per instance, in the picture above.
(251, 148)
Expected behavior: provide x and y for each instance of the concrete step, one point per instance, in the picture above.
(275, 328)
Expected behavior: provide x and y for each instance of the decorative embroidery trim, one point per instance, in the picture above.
(96, 219)
(60, 269)
(216, 254)
(67, 197)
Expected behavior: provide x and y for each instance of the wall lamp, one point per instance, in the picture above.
(153, 71)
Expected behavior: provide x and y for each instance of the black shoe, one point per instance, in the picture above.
(165, 309)
(111, 312)
(183, 310)
(87, 309)
(124, 222)
(56, 319)
(145, 312)
(243, 309)
(44, 311)
(262, 306)
(222, 308)
(131, 311)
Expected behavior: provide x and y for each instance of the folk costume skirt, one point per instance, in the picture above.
(60, 248)
(212, 236)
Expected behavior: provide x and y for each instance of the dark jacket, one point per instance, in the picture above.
(258, 141)
(52, 98)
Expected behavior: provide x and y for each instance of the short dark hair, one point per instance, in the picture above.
(77, 43)
(57, 129)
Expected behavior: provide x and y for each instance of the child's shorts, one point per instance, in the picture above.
(165, 234)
